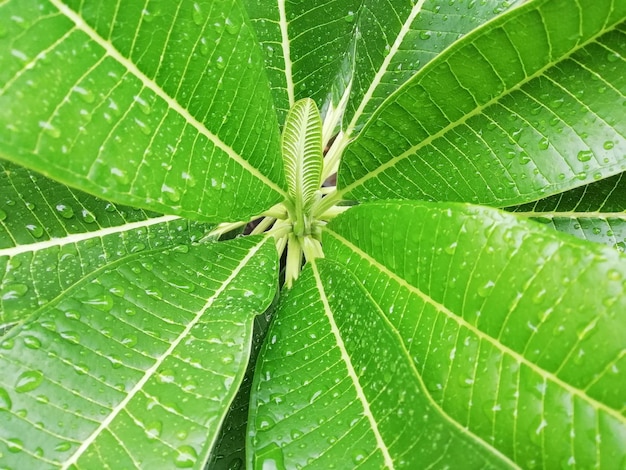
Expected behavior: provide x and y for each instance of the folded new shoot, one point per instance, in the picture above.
(296, 223)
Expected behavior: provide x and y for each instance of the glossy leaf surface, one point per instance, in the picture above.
(137, 364)
(526, 106)
(52, 236)
(531, 367)
(161, 106)
(397, 38)
(336, 388)
(306, 47)
(595, 212)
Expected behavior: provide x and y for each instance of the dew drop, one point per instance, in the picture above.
(608, 145)
(3, 215)
(5, 400)
(166, 376)
(154, 429)
(614, 275)
(584, 155)
(271, 457)
(63, 446)
(186, 457)
(70, 336)
(232, 27)
(35, 230)
(143, 105)
(424, 35)
(143, 127)
(129, 340)
(358, 456)
(65, 211)
(72, 314)
(14, 291)
(544, 144)
(102, 302)
(14, 445)
(156, 293)
(524, 159)
(81, 368)
(32, 342)
(264, 423)
(50, 130)
(197, 14)
(88, 217)
(486, 288)
(204, 46)
(86, 95)
(171, 193)
(190, 386)
(28, 381)
(181, 249)
(349, 18)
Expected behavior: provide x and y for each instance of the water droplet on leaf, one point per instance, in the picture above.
(28, 381)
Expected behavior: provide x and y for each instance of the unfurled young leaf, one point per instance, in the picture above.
(388, 189)
(302, 153)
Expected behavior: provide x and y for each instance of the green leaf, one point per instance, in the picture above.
(163, 109)
(137, 364)
(229, 452)
(52, 236)
(524, 107)
(306, 47)
(302, 153)
(595, 212)
(516, 330)
(398, 38)
(337, 389)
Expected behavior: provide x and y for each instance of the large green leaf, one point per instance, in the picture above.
(398, 38)
(162, 107)
(229, 452)
(52, 236)
(526, 106)
(306, 47)
(517, 331)
(135, 365)
(595, 212)
(336, 388)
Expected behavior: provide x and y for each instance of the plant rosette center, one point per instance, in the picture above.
(296, 223)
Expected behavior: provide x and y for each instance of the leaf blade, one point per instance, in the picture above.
(487, 337)
(176, 345)
(108, 104)
(52, 236)
(413, 34)
(447, 125)
(595, 212)
(343, 390)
